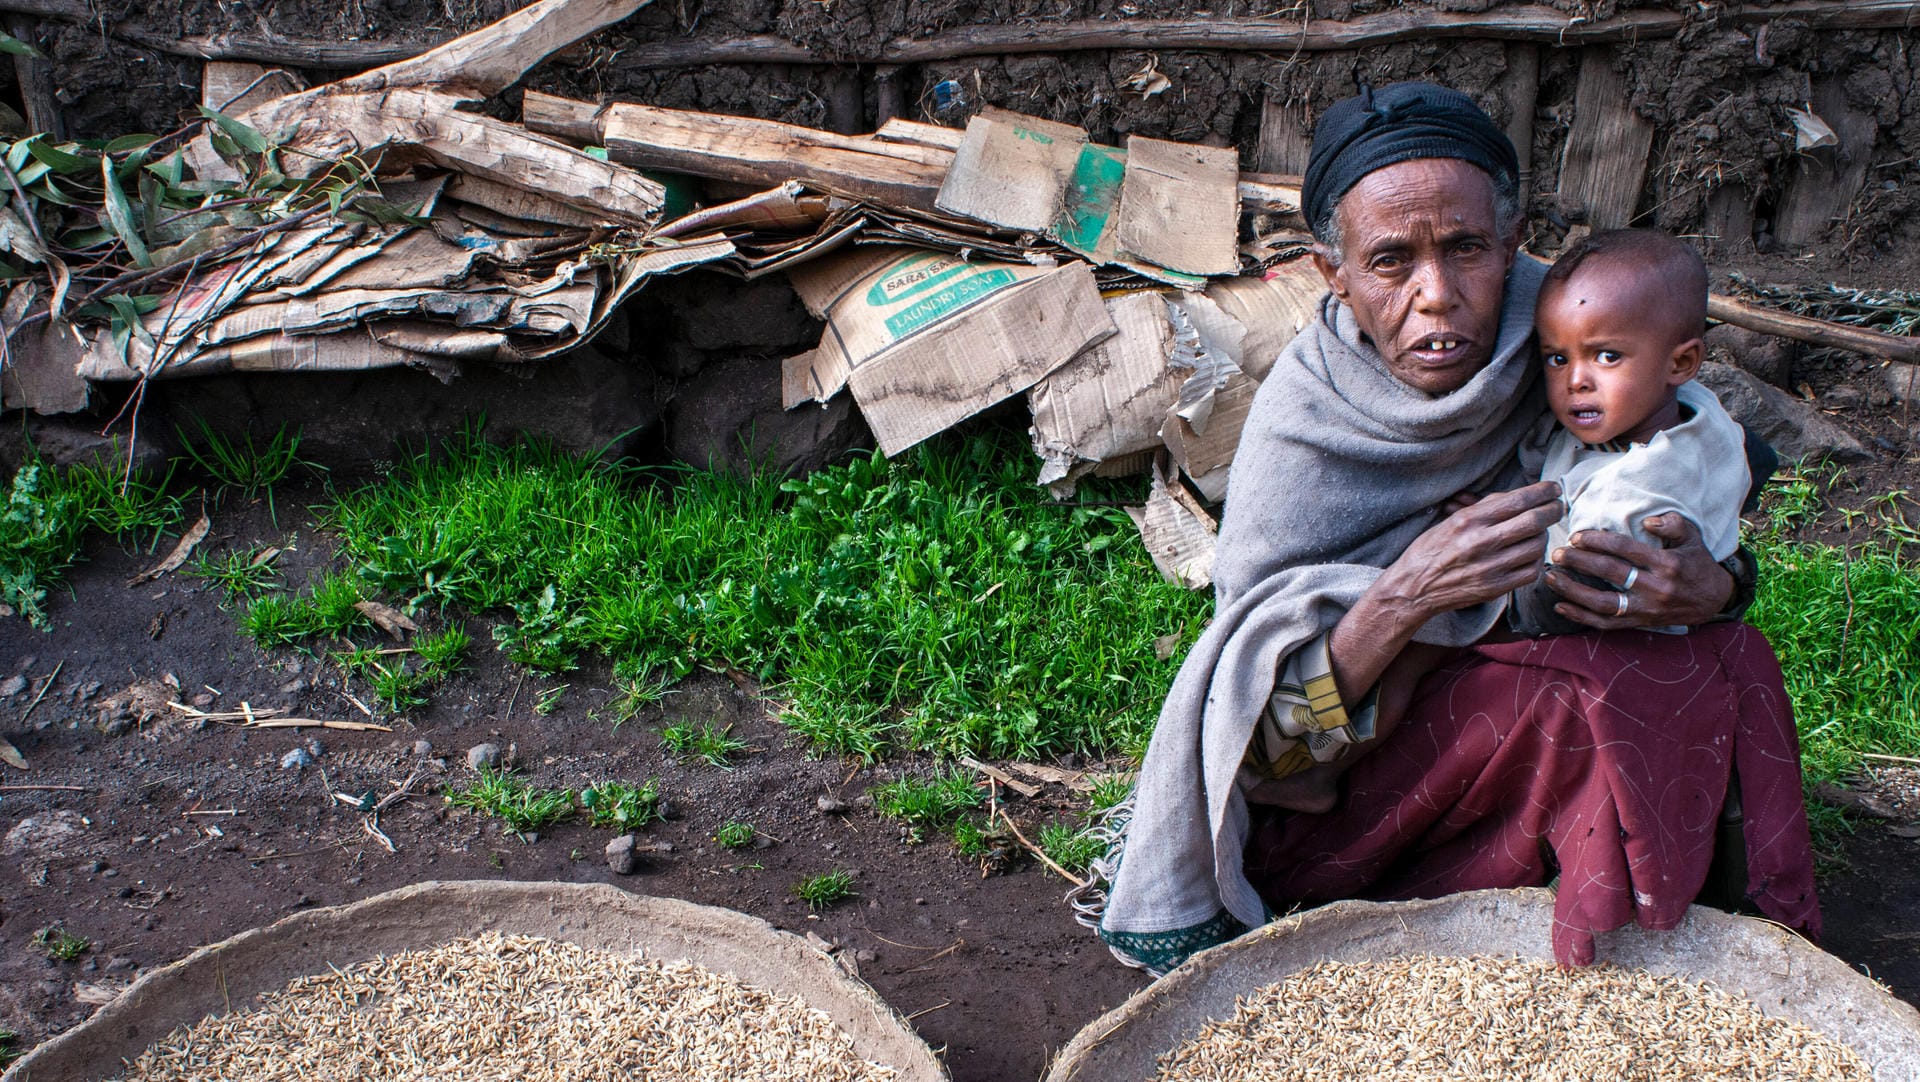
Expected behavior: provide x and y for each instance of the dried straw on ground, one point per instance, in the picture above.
(512, 1007)
(1430, 1019)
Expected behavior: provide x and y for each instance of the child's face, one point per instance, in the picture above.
(1613, 354)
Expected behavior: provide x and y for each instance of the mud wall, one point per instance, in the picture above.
(1722, 161)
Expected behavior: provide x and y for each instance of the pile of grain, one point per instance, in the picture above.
(1428, 1019)
(512, 1007)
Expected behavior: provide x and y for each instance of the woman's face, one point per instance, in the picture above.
(1423, 268)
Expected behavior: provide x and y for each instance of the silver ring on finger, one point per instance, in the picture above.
(1633, 574)
(1620, 608)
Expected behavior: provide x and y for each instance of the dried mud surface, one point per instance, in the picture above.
(1717, 96)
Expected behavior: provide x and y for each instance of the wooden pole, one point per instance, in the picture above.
(1535, 23)
(1816, 332)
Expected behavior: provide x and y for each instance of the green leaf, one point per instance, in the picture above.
(33, 171)
(62, 159)
(15, 47)
(137, 141)
(244, 135)
(172, 169)
(121, 215)
(52, 193)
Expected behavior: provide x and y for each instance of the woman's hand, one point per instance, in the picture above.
(1478, 553)
(1481, 551)
(1679, 583)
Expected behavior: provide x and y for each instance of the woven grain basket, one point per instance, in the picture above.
(1782, 974)
(597, 916)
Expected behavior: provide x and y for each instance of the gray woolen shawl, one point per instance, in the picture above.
(1340, 467)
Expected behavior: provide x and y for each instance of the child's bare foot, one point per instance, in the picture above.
(1314, 790)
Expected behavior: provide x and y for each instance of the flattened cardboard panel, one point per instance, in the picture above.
(1178, 533)
(1110, 400)
(871, 304)
(992, 350)
(1272, 307)
(1200, 455)
(1085, 225)
(1180, 206)
(823, 282)
(814, 376)
(1011, 170)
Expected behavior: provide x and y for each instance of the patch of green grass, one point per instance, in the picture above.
(825, 889)
(1108, 790)
(46, 513)
(326, 611)
(398, 688)
(634, 690)
(521, 806)
(926, 803)
(712, 744)
(549, 700)
(1842, 621)
(1070, 846)
(938, 602)
(734, 835)
(10, 1049)
(239, 575)
(442, 653)
(621, 806)
(979, 837)
(60, 944)
(251, 468)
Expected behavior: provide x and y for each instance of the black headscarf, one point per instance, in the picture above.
(1394, 124)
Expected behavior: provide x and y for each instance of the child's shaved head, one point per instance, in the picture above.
(1671, 275)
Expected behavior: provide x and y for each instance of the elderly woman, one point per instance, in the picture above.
(1605, 759)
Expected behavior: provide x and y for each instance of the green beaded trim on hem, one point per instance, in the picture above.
(1158, 952)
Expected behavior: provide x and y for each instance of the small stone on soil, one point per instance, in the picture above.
(483, 756)
(620, 855)
(295, 759)
(13, 685)
(423, 748)
(830, 806)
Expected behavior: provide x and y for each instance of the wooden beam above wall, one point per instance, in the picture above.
(1536, 23)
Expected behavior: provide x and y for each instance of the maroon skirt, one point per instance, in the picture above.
(1603, 758)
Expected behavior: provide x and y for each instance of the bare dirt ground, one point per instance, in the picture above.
(184, 833)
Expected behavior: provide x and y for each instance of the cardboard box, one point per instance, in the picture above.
(927, 339)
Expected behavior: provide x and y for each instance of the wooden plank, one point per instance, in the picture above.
(1532, 22)
(899, 130)
(1519, 87)
(1817, 332)
(1285, 137)
(39, 106)
(1605, 162)
(234, 88)
(1826, 179)
(903, 158)
(496, 56)
(768, 152)
(329, 124)
(1729, 224)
